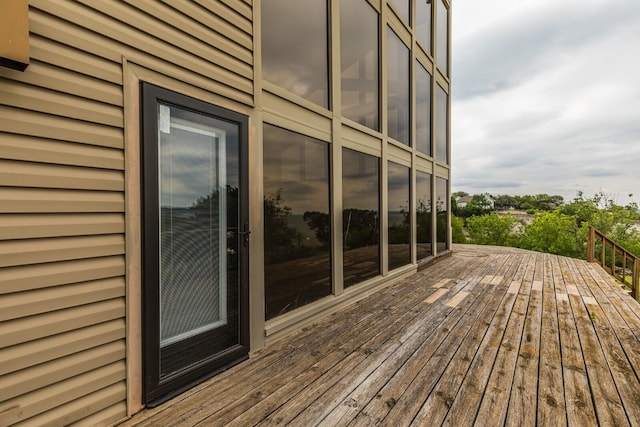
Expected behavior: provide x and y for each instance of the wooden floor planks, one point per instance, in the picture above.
(488, 336)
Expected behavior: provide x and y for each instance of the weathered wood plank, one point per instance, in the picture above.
(605, 396)
(551, 403)
(579, 406)
(524, 392)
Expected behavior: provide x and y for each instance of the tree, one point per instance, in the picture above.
(492, 229)
(282, 240)
(457, 230)
(554, 233)
(478, 205)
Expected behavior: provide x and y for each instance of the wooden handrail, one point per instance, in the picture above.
(620, 264)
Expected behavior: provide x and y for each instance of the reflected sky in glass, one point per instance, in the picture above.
(294, 47)
(442, 53)
(398, 88)
(442, 117)
(423, 23)
(423, 110)
(402, 6)
(359, 60)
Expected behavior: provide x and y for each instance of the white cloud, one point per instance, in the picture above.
(546, 97)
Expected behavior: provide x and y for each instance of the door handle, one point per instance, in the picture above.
(245, 234)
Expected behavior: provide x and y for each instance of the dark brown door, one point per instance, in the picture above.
(195, 257)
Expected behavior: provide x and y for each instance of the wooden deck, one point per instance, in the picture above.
(489, 337)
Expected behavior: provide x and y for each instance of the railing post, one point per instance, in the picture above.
(635, 278)
(591, 244)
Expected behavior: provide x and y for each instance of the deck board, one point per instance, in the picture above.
(488, 336)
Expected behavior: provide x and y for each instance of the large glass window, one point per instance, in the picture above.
(402, 6)
(442, 118)
(398, 88)
(359, 59)
(423, 215)
(423, 110)
(297, 226)
(423, 23)
(442, 214)
(360, 216)
(399, 218)
(294, 47)
(442, 52)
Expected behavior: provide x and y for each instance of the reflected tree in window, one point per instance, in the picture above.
(296, 198)
(399, 248)
(423, 215)
(360, 216)
(442, 214)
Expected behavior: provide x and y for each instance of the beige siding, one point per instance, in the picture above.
(62, 183)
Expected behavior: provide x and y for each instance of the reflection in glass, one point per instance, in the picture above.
(359, 59)
(398, 88)
(402, 6)
(442, 118)
(198, 219)
(442, 53)
(297, 227)
(294, 47)
(423, 214)
(442, 214)
(360, 216)
(423, 23)
(399, 218)
(423, 110)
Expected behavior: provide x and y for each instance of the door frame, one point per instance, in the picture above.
(156, 389)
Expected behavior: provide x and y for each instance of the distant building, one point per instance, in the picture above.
(465, 200)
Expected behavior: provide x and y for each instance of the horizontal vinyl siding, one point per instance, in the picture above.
(62, 184)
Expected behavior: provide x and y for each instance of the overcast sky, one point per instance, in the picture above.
(546, 97)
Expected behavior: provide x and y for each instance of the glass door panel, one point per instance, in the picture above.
(195, 240)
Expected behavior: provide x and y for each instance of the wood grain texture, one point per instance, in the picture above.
(510, 353)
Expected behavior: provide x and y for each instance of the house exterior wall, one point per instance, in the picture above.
(63, 253)
(70, 186)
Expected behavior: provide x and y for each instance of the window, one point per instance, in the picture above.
(399, 247)
(442, 118)
(423, 110)
(423, 215)
(359, 59)
(402, 6)
(398, 88)
(442, 214)
(442, 52)
(297, 226)
(360, 216)
(423, 23)
(294, 47)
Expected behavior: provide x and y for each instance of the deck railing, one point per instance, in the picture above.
(615, 259)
